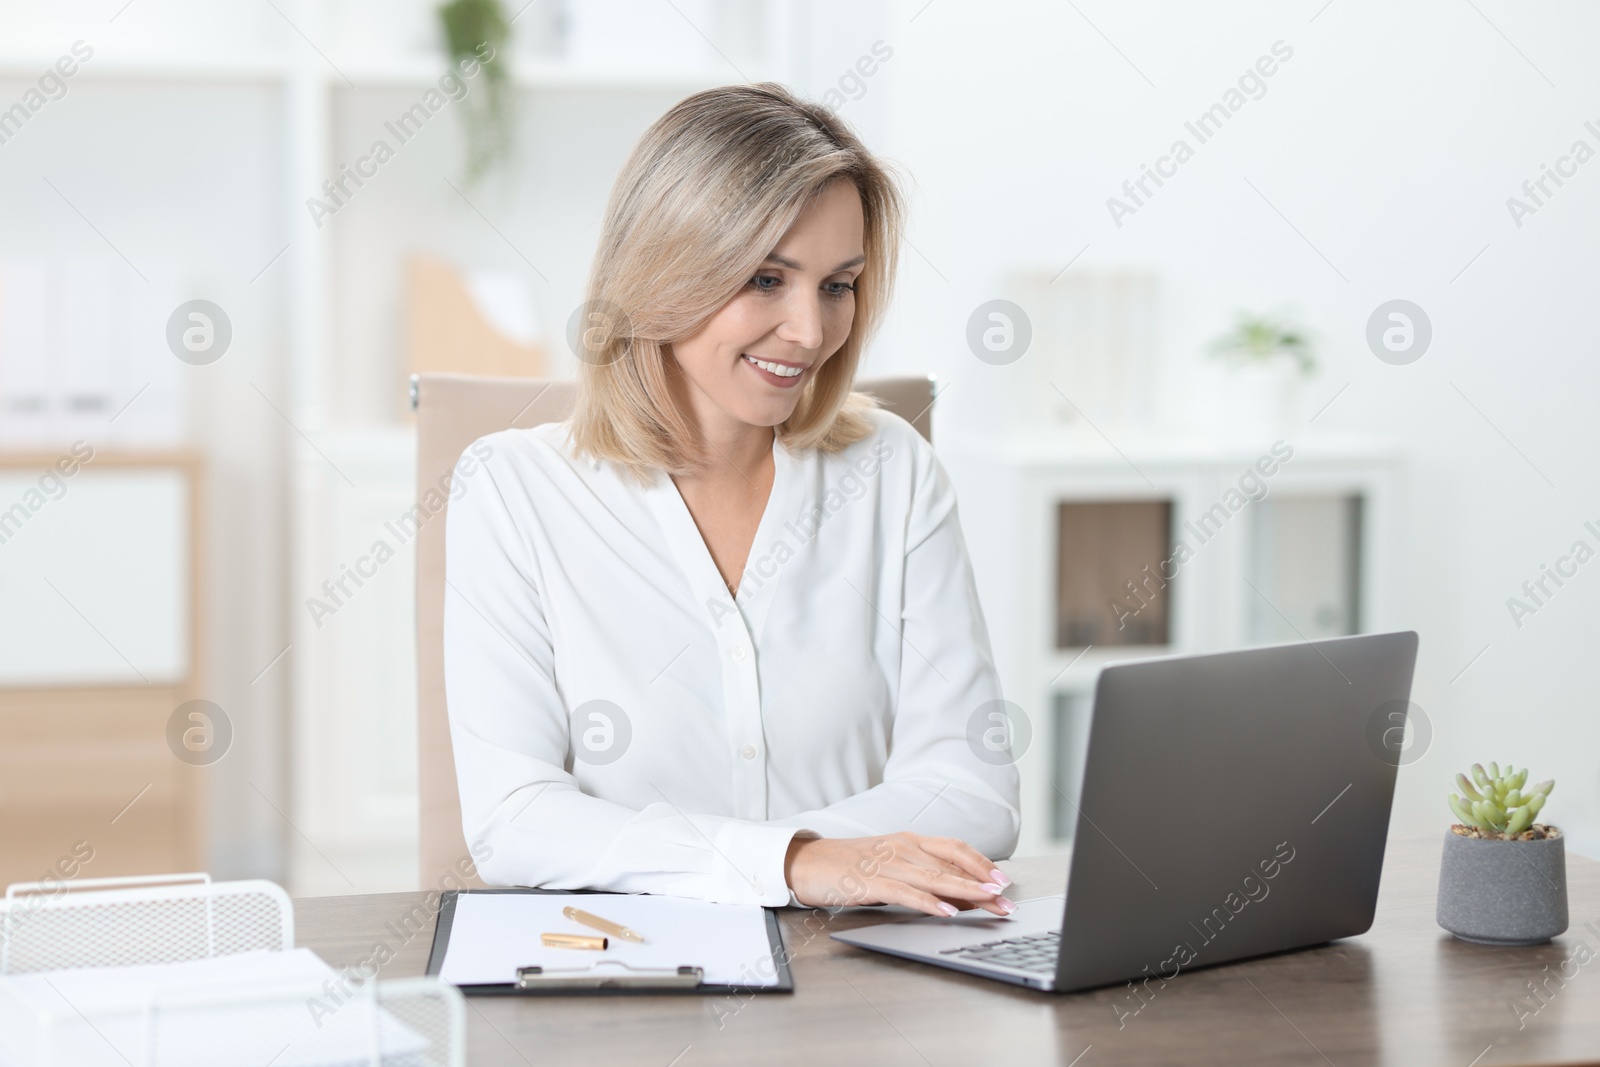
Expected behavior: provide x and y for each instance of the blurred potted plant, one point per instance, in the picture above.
(468, 26)
(1269, 358)
(1503, 880)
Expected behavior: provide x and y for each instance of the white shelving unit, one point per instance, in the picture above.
(1010, 493)
(351, 722)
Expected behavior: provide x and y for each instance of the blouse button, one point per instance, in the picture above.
(748, 752)
(739, 652)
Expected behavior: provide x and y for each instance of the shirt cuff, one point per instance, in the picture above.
(748, 868)
(794, 901)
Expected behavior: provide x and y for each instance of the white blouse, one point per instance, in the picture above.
(621, 722)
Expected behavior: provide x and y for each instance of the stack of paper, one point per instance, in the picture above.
(287, 1008)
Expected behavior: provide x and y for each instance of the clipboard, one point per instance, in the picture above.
(609, 978)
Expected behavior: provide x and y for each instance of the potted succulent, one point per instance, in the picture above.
(1269, 357)
(1503, 880)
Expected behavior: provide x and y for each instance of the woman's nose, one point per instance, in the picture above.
(802, 324)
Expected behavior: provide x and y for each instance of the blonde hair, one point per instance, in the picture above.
(707, 194)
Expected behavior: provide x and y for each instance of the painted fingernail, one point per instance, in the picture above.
(997, 875)
(990, 887)
(1006, 904)
(947, 907)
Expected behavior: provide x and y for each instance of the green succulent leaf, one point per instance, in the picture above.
(1498, 800)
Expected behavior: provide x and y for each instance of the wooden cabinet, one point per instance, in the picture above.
(102, 766)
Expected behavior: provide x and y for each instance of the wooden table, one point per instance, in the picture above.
(1406, 993)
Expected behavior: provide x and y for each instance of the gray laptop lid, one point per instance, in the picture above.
(1234, 804)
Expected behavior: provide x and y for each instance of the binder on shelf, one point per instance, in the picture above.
(487, 943)
(84, 353)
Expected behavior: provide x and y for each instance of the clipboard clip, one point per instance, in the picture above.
(595, 978)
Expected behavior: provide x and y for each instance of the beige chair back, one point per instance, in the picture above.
(454, 410)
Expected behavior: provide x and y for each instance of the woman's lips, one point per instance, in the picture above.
(779, 380)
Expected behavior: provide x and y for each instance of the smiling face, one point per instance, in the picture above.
(746, 365)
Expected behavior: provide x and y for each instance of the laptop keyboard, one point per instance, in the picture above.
(1035, 952)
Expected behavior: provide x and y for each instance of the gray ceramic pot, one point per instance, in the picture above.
(1503, 892)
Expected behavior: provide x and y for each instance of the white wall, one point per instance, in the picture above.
(1390, 140)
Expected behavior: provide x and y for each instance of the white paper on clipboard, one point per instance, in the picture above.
(493, 934)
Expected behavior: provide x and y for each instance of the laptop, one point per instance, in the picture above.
(1234, 804)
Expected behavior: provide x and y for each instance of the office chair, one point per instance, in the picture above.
(454, 410)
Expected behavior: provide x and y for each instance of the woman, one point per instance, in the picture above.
(717, 635)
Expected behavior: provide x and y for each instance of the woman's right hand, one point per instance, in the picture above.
(937, 875)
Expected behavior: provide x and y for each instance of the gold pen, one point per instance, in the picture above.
(614, 929)
(573, 941)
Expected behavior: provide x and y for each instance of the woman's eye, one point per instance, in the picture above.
(840, 288)
(760, 278)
